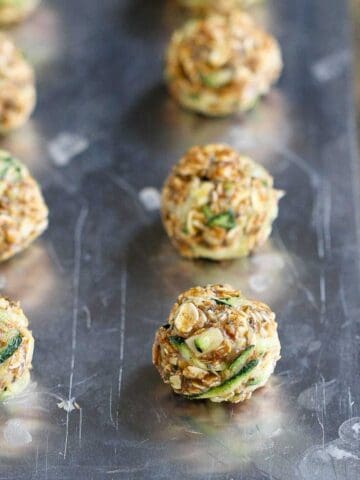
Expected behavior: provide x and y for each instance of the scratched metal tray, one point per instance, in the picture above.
(103, 277)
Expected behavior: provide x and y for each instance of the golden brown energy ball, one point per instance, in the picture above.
(217, 345)
(17, 87)
(23, 212)
(217, 5)
(221, 64)
(16, 349)
(13, 11)
(218, 204)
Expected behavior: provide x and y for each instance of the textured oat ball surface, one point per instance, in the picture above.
(217, 5)
(17, 89)
(221, 64)
(16, 349)
(23, 213)
(13, 11)
(217, 345)
(218, 204)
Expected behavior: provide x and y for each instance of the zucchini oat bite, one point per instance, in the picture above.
(217, 345)
(16, 349)
(23, 212)
(13, 11)
(218, 204)
(221, 64)
(17, 87)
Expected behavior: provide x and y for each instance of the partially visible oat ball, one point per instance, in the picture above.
(17, 88)
(16, 349)
(218, 204)
(217, 345)
(23, 212)
(217, 5)
(221, 64)
(13, 11)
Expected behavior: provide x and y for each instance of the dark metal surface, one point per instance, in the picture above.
(104, 276)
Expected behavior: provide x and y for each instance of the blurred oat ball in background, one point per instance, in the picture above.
(217, 5)
(16, 349)
(23, 212)
(17, 87)
(221, 64)
(13, 11)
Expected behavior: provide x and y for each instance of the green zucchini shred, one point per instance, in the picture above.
(224, 220)
(217, 79)
(10, 165)
(179, 344)
(254, 381)
(15, 388)
(194, 96)
(229, 301)
(10, 348)
(222, 301)
(207, 212)
(228, 386)
(209, 340)
(176, 341)
(240, 361)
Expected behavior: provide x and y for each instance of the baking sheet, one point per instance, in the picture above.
(103, 277)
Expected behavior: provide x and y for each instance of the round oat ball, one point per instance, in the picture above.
(217, 5)
(17, 88)
(16, 349)
(221, 64)
(218, 204)
(13, 11)
(23, 212)
(217, 345)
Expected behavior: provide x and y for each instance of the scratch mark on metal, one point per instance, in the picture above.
(76, 281)
(318, 222)
(110, 407)
(123, 293)
(130, 191)
(46, 455)
(80, 425)
(293, 270)
(295, 159)
(87, 316)
(216, 459)
(322, 294)
(351, 402)
(54, 255)
(129, 469)
(64, 182)
(333, 467)
(343, 300)
(37, 459)
(80, 382)
(327, 217)
(321, 411)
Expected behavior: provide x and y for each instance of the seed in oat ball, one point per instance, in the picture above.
(13, 11)
(221, 64)
(17, 88)
(218, 204)
(221, 6)
(16, 349)
(217, 345)
(23, 213)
